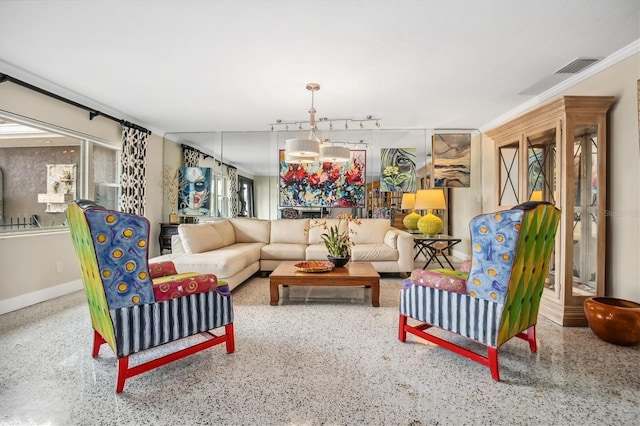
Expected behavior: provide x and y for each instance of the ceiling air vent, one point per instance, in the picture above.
(577, 65)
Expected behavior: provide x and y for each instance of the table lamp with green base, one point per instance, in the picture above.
(410, 221)
(430, 200)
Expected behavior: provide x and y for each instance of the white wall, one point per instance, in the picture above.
(623, 177)
(623, 174)
(466, 203)
(29, 263)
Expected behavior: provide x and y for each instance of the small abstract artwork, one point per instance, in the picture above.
(451, 154)
(398, 170)
(323, 184)
(194, 194)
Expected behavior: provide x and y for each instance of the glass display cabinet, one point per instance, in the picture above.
(557, 153)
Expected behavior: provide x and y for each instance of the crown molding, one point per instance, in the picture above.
(596, 68)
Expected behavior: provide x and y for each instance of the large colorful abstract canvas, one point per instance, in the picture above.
(398, 170)
(451, 154)
(323, 184)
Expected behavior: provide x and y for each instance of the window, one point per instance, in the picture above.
(245, 197)
(106, 176)
(43, 168)
(221, 207)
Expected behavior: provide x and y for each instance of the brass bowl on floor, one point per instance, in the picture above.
(614, 320)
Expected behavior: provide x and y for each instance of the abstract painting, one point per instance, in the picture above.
(323, 184)
(398, 170)
(451, 154)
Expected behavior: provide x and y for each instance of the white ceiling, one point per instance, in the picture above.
(190, 66)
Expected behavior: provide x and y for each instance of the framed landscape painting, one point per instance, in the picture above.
(451, 160)
(323, 184)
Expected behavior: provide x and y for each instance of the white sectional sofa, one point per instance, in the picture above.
(235, 249)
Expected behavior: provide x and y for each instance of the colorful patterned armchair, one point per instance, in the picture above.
(499, 297)
(135, 306)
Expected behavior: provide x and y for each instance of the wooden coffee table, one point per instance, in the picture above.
(353, 275)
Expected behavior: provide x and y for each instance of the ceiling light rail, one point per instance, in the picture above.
(348, 123)
(313, 122)
(312, 148)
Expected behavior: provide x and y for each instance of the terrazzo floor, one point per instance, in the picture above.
(323, 357)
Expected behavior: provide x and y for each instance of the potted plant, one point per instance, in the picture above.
(338, 243)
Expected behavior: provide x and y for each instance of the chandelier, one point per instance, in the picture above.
(312, 149)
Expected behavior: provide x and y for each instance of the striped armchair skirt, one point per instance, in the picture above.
(471, 317)
(141, 327)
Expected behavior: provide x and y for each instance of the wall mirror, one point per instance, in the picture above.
(255, 155)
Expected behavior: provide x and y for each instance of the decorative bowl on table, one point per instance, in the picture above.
(314, 266)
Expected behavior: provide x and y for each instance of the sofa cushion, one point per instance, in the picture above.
(373, 253)
(370, 231)
(251, 230)
(391, 238)
(317, 227)
(289, 231)
(283, 251)
(224, 262)
(176, 245)
(201, 237)
(316, 252)
(225, 229)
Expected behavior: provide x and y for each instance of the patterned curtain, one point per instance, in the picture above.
(232, 172)
(191, 156)
(134, 164)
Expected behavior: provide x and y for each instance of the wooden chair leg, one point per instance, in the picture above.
(493, 363)
(123, 371)
(531, 338)
(230, 342)
(402, 332)
(97, 342)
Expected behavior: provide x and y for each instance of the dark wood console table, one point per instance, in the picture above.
(167, 230)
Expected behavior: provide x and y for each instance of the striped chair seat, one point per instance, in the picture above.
(141, 327)
(471, 317)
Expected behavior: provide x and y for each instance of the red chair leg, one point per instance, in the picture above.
(531, 337)
(402, 332)
(230, 342)
(123, 372)
(493, 363)
(97, 342)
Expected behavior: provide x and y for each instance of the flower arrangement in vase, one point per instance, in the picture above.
(338, 243)
(171, 187)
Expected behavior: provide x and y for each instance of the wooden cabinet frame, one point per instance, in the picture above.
(564, 117)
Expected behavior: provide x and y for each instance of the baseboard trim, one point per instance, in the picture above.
(460, 255)
(24, 300)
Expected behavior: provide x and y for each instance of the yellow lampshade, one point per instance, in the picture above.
(430, 199)
(408, 201)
